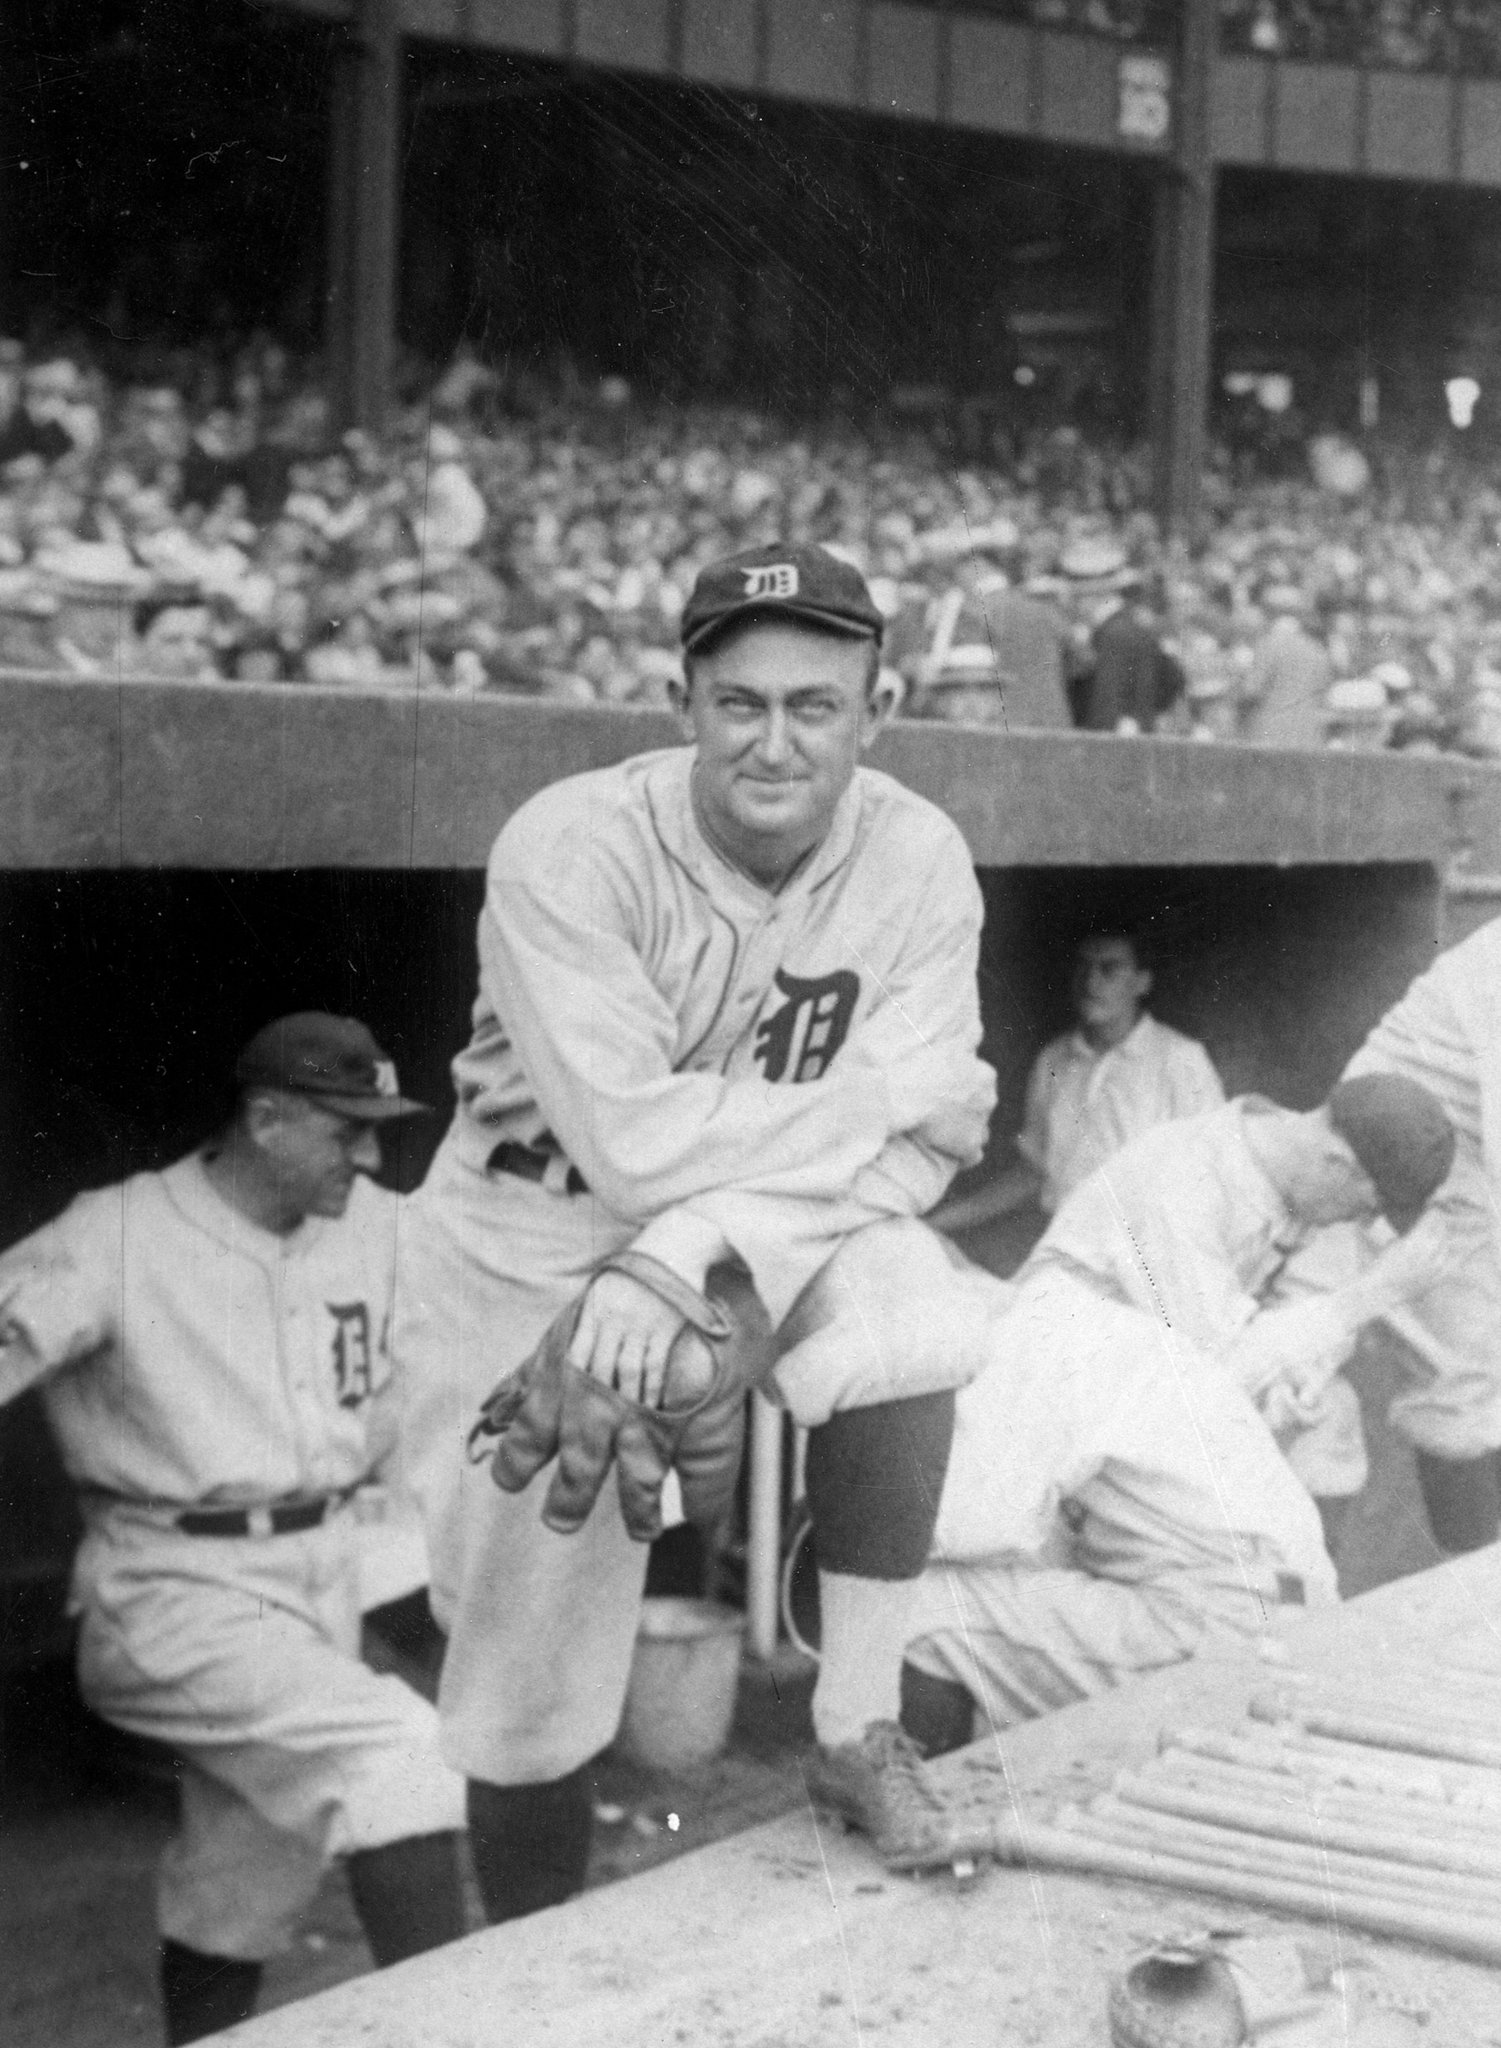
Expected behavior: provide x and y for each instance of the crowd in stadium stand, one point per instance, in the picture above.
(1406, 35)
(208, 524)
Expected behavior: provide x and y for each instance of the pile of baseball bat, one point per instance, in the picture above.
(1385, 1817)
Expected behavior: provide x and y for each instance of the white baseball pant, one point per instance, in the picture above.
(241, 1654)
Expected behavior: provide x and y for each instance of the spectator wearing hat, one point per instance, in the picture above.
(997, 655)
(211, 1346)
(1285, 695)
(1133, 682)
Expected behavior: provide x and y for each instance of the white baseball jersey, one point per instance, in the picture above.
(1183, 1225)
(728, 1068)
(638, 993)
(189, 1356)
(186, 1358)
(1106, 1508)
(1445, 1034)
(1083, 1104)
(1178, 1472)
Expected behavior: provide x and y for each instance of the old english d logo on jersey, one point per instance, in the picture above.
(798, 1041)
(353, 1378)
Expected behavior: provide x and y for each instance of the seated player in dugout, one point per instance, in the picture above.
(1117, 1073)
(211, 1345)
(1117, 1493)
(727, 1021)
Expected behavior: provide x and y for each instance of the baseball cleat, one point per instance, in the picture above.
(879, 1786)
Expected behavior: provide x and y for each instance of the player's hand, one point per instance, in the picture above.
(629, 1337)
(1296, 1400)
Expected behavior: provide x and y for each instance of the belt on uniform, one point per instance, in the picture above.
(530, 1163)
(285, 1519)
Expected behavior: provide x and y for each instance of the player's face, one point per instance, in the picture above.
(780, 717)
(316, 1153)
(1109, 986)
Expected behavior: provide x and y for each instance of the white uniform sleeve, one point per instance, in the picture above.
(561, 965)
(1032, 1138)
(56, 1297)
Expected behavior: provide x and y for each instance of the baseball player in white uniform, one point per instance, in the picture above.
(1118, 1073)
(728, 1015)
(1113, 1496)
(1445, 1032)
(1106, 1511)
(211, 1344)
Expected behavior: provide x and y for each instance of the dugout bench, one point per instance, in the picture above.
(179, 862)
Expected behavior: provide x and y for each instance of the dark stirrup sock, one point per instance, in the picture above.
(874, 1477)
(408, 1895)
(937, 1713)
(1463, 1499)
(530, 1842)
(203, 1994)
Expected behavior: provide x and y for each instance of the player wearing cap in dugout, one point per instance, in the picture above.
(724, 1053)
(1115, 1492)
(211, 1345)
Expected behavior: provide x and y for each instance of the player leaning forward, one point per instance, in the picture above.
(728, 1018)
(211, 1345)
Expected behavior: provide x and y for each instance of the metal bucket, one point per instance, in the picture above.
(681, 1698)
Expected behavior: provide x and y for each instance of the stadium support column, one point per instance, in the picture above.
(1183, 281)
(364, 156)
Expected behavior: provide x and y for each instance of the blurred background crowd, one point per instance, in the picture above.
(1406, 35)
(199, 519)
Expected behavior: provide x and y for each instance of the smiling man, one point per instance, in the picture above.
(727, 1020)
(211, 1347)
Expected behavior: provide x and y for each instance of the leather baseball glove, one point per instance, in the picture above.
(547, 1409)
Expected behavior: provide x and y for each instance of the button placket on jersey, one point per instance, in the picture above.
(297, 1334)
(760, 959)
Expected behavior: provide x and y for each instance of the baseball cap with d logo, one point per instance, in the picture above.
(805, 583)
(335, 1060)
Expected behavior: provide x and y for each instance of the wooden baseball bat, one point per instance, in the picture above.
(1302, 1756)
(1262, 1817)
(1305, 1862)
(1470, 1784)
(1429, 1736)
(1470, 1690)
(1025, 1842)
(1421, 1816)
(1473, 1714)
(1430, 1860)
